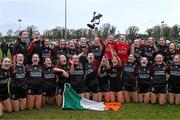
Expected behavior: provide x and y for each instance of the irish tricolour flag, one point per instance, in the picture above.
(71, 100)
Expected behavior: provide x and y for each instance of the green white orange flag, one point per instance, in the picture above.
(71, 100)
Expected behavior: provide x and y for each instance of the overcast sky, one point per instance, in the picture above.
(47, 14)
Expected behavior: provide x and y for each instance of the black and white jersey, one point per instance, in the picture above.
(49, 77)
(18, 76)
(34, 76)
(158, 73)
(77, 77)
(129, 74)
(174, 78)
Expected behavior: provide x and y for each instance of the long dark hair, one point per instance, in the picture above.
(15, 63)
(20, 34)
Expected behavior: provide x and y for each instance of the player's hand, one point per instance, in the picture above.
(71, 61)
(65, 74)
(34, 40)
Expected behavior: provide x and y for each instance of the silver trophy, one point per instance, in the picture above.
(95, 20)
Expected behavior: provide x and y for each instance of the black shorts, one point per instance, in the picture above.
(79, 89)
(93, 89)
(49, 92)
(60, 89)
(32, 91)
(130, 88)
(4, 95)
(4, 92)
(172, 89)
(104, 88)
(18, 92)
(115, 86)
(159, 89)
(144, 88)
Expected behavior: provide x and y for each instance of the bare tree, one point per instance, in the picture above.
(31, 29)
(0, 34)
(131, 32)
(149, 32)
(10, 32)
(176, 31)
(107, 29)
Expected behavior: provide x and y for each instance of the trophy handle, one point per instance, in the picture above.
(93, 19)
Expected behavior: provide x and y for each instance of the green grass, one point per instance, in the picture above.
(128, 111)
(9, 54)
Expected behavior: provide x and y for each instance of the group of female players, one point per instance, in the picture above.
(98, 70)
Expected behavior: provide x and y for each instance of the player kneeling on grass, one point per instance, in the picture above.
(116, 93)
(129, 79)
(103, 79)
(144, 81)
(62, 70)
(158, 73)
(91, 80)
(49, 82)
(34, 76)
(174, 81)
(18, 84)
(5, 104)
(77, 75)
